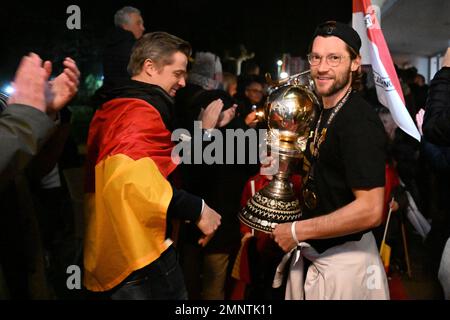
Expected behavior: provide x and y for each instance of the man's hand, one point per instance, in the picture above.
(29, 83)
(269, 166)
(210, 116)
(419, 120)
(251, 119)
(394, 205)
(226, 116)
(208, 223)
(64, 87)
(283, 236)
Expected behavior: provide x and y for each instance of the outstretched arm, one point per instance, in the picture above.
(363, 213)
(24, 126)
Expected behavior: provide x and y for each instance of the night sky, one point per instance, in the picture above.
(267, 28)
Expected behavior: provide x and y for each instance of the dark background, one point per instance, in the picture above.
(268, 28)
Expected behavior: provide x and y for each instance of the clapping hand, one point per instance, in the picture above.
(64, 87)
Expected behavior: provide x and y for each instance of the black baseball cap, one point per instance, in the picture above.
(340, 30)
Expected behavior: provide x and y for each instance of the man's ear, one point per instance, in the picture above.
(356, 64)
(149, 67)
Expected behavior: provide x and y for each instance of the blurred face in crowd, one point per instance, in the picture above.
(232, 89)
(136, 25)
(388, 123)
(419, 80)
(170, 77)
(331, 66)
(255, 92)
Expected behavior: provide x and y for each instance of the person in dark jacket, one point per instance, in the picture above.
(436, 129)
(436, 125)
(25, 127)
(26, 124)
(129, 26)
(206, 269)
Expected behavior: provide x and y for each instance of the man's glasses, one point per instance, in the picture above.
(333, 60)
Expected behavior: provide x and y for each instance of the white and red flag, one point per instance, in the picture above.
(374, 51)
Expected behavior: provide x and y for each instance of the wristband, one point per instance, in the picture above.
(294, 235)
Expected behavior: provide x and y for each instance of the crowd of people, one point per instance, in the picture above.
(159, 229)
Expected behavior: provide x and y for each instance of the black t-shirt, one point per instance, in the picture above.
(352, 156)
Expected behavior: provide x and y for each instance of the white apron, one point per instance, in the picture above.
(349, 271)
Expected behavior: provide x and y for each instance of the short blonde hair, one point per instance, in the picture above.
(158, 47)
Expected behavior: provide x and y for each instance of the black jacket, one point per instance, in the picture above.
(220, 185)
(116, 55)
(23, 131)
(24, 138)
(436, 124)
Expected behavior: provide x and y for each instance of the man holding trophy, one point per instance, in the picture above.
(343, 189)
(343, 184)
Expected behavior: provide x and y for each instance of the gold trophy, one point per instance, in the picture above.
(289, 110)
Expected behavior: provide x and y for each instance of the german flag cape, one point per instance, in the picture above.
(129, 159)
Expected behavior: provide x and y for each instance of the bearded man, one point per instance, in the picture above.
(343, 185)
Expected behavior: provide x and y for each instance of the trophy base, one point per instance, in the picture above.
(264, 213)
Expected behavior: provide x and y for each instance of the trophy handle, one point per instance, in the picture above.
(294, 79)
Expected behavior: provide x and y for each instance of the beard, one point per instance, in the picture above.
(340, 82)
